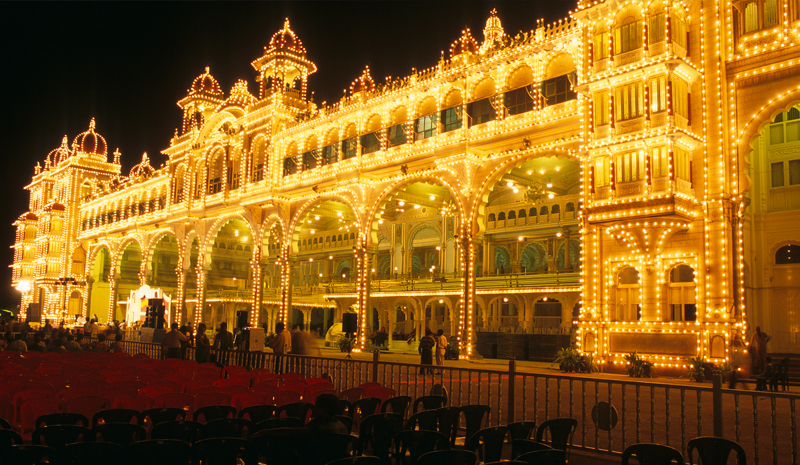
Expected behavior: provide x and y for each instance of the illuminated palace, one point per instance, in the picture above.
(631, 172)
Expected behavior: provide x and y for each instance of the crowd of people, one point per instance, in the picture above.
(21, 337)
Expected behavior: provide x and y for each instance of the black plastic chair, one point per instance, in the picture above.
(523, 446)
(16, 455)
(448, 457)
(91, 453)
(398, 404)
(345, 407)
(347, 422)
(276, 446)
(429, 403)
(273, 423)
(409, 445)
(182, 430)
(544, 457)
(447, 422)
(123, 434)
(488, 442)
(507, 462)
(713, 450)
(117, 415)
(327, 448)
(213, 412)
(424, 420)
(159, 452)
(360, 460)
(53, 419)
(228, 428)
(377, 432)
(257, 413)
(222, 451)
(364, 407)
(4, 424)
(160, 415)
(9, 437)
(561, 430)
(520, 430)
(652, 454)
(301, 410)
(474, 418)
(58, 436)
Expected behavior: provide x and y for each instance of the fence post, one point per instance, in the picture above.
(376, 356)
(717, 404)
(512, 388)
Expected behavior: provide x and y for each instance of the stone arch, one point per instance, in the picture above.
(214, 229)
(520, 76)
(293, 231)
(452, 97)
(213, 125)
(773, 251)
(331, 136)
(372, 123)
(753, 128)
(426, 106)
(259, 158)
(398, 115)
(559, 65)
(485, 87)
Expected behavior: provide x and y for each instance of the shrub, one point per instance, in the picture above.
(638, 367)
(697, 369)
(451, 352)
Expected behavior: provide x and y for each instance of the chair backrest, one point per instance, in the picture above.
(352, 394)
(488, 443)
(544, 457)
(30, 454)
(90, 453)
(266, 388)
(369, 385)
(228, 428)
(159, 452)
(449, 457)
(233, 390)
(182, 430)
(273, 423)
(257, 413)
(123, 434)
(52, 419)
(281, 397)
(213, 412)
(277, 445)
(88, 405)
(160, 415)
(424, 420)
(429, 403)
(301, 410)
(561, 430)
(412, 444)
(32, 409)
(132, 402)
(447, 419)
(475, 416)
(174, 399)
(652, 454)
(117, 415)
(523, 446)
(211, 398)
(397, 404)
(247, 399)
(520, 430)
(382, 393)
(365, 406)
(347, 422)
(9, 437)
(377, 431)
(58, 436)
(224, 450)
(712, 450)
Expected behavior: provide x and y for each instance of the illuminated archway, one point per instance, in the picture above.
(128, 276)
(228, 286)
(162, 270)
(99, 285)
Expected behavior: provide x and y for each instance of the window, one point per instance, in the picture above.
(600, 46)
(501, 216)
(481, 111)
(788, 255)
(683, 164)
(349, 148)
(629, 101)
(658, 94)
(518, 101)
(751, 17)
(289, 166)
(659, 163)
(601, 108)
(522, 214)
(785, 127)
(602, 172)
(329, 153)
(370, 143)
(630, 166)
(397, 134)
(657, 29)
(629, 306)
(678, 31)
(214, 186)
(783, 170)
(234, 177)
(681, 296)
(425, 127)
(492, 217)
(680, 97)
(558, 90)
(777, 174)
(512, 215)
(310, 160)
(452, 118)
(770, 13)
(628, 37)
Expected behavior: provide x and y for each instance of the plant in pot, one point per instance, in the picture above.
(697, 369)
(346, 343)
(638, 367)
(586, 364)
(451, 352)
(568, 359)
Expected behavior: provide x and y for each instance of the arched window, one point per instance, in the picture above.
(532, 211)
(512, 215)
(628, 35)
(522, 213)
(556, 209)
(492, 217)
(501, 216)
(682, 295)
(629, 303)
(543, 210)
(570, 207)
(788, 255)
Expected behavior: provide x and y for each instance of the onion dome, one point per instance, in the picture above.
(493, 32)
(363, 83)
(143, 169)
(240, 96)
(465, 43)
(206, 84)
(286, 40)
(58, 155)
(90, 143)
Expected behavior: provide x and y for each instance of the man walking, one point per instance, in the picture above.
(426, 345)
(172, 342)
(441, 348)
(281, 344)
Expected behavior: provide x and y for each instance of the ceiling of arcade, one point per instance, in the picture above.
(538, 179)
(418, 200)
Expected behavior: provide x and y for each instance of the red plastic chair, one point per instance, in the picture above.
(311, 381)
(205, 390)
(24, 377)
(264, 388)
(221, 383)
(114, 394)
(11, 388)
(133, 403)
(312, 398)
(49, 369)
(174, 399)
(351, 395)
(83, 378)
(25, 395)
(318, 387)
(178, 378)
(261, 377)
(32, 409)
(153, 392)
(369, 385)
(130, 384)
(41, 385)
(187, 367)
(192, 385)
(58, 381)
(229, 371)
(295, 385)
(87, 405)
(120, 377)
(233, 390)
(211, 398)
(248, 399)
(207, 371)
(282, 397)
(107, 374)
(260, 371)
(165, 383)
(245, 379)
(381, 393)
(288, 376)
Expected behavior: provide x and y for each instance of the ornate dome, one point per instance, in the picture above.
(493, 32)
(58, 155)
(143, 169)
(206, 83)
(240, 96)
(363, 83)
(90, 143)
(286, 39)
(465, 43)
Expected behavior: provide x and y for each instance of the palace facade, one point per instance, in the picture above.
(632, 172)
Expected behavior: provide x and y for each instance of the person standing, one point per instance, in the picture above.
(759, 348)
(202, 351)
(281, 344)
(301, 341)
(223, 342)
(441, 348)
(426, 345)
(172, 342)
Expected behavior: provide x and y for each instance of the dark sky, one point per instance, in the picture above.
(126, 64)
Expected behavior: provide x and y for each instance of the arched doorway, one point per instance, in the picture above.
(99, 286)
(129, 265)
(163, 264)
(228, 276)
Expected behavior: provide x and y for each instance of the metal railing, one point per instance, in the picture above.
(667, 412)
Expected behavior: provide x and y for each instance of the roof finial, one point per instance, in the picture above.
(286, 24)
(116, 156)
(91, 125)
(65, 142)
(207, 69)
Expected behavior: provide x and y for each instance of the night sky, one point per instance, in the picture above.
(126, 64)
